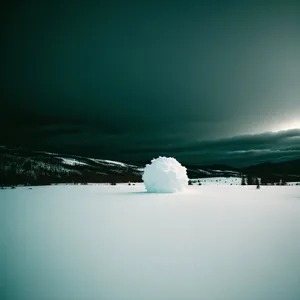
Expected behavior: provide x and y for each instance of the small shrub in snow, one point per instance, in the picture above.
(165, 175)
(257, 183)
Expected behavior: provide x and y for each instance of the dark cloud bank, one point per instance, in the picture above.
(84, 139)
(198, 80)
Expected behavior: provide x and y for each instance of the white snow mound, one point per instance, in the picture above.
(165, 175)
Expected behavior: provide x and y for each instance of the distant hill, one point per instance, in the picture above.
(212, 171)
(287, 167)
(288, 170)
(21, 166)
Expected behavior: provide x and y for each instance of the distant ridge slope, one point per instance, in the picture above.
(21, 166)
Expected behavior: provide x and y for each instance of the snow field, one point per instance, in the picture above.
(119, 242)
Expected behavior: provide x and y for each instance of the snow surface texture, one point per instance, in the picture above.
(102, 242)
(165, 175)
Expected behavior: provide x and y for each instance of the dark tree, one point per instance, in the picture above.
(257, 183)
(250, 180)
(283, 181)
(243, 180)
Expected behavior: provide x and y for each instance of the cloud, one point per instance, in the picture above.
(99, 138)
(238, 150)
(249, 149)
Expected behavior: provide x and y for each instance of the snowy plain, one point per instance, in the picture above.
(101, 242)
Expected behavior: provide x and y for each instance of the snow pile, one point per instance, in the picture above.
(165, 175)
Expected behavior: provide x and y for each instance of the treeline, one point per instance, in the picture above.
(265, 180)
(13, 177)
(44, 170)
(31, 172)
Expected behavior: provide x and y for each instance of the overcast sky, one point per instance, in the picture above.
(201, 81)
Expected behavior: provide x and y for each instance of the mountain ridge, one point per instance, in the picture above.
(35, 167)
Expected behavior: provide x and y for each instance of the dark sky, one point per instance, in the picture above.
(206, 82)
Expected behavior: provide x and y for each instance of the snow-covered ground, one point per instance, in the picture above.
(101, 242)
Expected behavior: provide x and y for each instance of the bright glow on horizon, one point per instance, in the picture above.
(294, 124)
